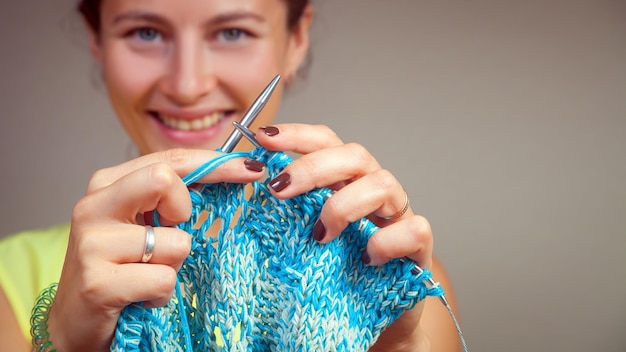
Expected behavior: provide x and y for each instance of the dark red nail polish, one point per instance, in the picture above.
(270, 130)
(280, 182)
(319, 230)
(254, 165)
(147, 218)
(365, 257)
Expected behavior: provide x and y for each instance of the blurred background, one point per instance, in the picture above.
(504, 120)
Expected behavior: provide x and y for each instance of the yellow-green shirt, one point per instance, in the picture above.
(29, 262)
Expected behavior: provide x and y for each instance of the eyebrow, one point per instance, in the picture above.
(236, 16)
(138, 16)
(217, 20)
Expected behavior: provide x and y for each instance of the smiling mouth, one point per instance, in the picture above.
(197, 124)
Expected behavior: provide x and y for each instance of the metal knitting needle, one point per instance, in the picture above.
(417, 270)
(247, 133)
(250, 115)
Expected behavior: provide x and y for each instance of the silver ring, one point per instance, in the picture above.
(401, 212)
(149, 247)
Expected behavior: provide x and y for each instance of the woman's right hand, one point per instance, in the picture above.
(103, 272)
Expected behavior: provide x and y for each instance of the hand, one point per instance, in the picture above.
(363, 189)
(102, 272)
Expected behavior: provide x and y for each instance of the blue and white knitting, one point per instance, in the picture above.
(263, 283)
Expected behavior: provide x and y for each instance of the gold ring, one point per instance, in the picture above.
(401, 212)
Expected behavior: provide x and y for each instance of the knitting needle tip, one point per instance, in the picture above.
(250, 115)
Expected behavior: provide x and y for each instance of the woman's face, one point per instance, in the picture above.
(179, 72)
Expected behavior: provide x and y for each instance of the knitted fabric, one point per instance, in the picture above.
(264, 284)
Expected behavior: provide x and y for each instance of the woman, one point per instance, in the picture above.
(177, 74)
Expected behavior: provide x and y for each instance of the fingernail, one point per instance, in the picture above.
(319, 230)
(254, 165)
(270, 130)
(281, 181)
(147, 218)
(365, 257)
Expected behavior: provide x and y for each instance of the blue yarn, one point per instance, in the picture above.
(264, 284)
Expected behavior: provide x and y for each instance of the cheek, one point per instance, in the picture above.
(129, 78)
(246, 74)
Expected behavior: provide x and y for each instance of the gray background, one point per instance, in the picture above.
(505, 121)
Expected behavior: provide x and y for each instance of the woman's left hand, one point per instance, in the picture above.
(363, 189)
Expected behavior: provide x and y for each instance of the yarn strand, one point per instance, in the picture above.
(262, 283)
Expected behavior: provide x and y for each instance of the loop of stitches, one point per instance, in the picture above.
(264, 284)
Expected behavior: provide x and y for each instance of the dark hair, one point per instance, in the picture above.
(90, 10)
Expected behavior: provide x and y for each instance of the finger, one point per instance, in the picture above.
(323, 168)
(123, 243)
(375, 193)
(153, 284)
(411, 237)
(183, 162)
(156, 186)
(297, 138)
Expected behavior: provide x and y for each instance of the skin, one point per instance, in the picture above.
(193, 64)
(184, 61)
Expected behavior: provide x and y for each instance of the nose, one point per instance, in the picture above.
(189, 75)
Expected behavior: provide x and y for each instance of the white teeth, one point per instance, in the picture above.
(191, 125)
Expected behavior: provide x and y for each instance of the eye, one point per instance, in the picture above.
(147, 34)
(231, 34)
